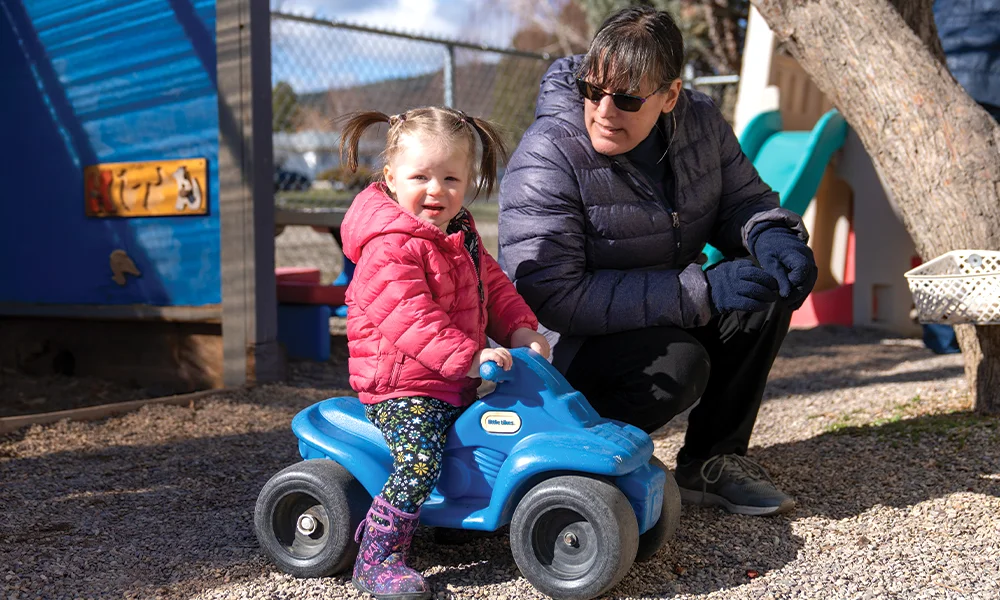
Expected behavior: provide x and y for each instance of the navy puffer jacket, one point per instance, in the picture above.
(591, 244)
(970, 35)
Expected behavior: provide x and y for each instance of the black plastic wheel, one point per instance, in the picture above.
(306, 516)
(670, 517)
(574, 537)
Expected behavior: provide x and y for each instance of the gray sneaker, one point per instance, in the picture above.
(733, 482)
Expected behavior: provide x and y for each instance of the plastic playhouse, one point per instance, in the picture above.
(862, 248)
(791, 162)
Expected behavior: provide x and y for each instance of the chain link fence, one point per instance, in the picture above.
(323, 70)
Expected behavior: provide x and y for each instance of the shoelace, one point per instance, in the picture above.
(745, 468)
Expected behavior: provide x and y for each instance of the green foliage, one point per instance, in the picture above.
(908, 421)
(285, 107)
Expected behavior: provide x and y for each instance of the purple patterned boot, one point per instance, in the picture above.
(381, 566)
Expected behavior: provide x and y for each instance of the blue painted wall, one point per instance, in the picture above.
(98, 81)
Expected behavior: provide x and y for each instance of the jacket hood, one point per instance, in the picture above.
(559, 98)
(372, 214)
(557, 94)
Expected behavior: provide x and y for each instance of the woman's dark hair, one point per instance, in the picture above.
(445, 125)
(632, 45)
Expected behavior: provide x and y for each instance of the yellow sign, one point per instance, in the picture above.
(147, 189)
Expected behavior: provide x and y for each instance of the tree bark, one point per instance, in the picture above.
(880, 62)
(721, 22)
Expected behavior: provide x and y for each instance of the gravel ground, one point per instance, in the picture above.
(897, 483)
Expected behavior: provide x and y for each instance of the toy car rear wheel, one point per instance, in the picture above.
(574, 537)
(670, 517)
(306, 516)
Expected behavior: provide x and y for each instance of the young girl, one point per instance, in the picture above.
(424, 298)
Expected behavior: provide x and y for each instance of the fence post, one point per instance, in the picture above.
(250, 350)
(449, 75)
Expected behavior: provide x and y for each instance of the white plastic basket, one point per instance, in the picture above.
(961, 286)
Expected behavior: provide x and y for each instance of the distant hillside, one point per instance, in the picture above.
(474, 93)
(503, 92)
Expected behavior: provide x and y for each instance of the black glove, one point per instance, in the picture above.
(783, 254)
(740, 285)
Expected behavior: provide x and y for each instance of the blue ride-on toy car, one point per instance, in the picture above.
(584, 496)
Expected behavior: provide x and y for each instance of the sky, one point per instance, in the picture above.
(313, 58)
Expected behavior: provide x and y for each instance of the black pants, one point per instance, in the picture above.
(647, 376)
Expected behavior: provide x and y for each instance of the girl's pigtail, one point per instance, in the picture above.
(353, 130)
(494, 151)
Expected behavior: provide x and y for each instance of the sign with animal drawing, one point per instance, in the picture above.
(147, 189)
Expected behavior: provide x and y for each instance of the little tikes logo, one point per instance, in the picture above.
(500, 421)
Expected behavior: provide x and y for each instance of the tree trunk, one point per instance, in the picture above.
(936, 149)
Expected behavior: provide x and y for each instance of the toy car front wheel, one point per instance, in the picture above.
(306, 516)
(574, 537)
(670, 517)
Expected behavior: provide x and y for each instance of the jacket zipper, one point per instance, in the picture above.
(479, 278)
(397, 369)
(639, 183)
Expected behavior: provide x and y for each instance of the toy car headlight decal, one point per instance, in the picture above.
(500, 421)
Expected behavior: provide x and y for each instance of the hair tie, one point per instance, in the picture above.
(401, 117)
(461, 117)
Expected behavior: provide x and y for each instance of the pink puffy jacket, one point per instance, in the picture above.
(414, 317)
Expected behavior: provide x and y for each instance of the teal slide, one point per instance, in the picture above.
(791, 162)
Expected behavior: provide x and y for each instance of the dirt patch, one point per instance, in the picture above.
(22, 394)
(28, 394)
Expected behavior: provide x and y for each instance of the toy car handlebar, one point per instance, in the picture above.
(491, 371)
(530, 373)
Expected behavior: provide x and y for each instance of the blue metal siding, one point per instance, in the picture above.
(102, 81)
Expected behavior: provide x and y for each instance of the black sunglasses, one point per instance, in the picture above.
(625, 102)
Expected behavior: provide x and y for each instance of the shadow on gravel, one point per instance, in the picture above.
(713, 550)
(331, 373)
(830, 358)
(838, 379)
(836, 475)
(818, 339)
(478, 562)
(135, 522)
(170, 519)
(849, 470)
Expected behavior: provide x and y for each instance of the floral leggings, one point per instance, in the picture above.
(415, 428)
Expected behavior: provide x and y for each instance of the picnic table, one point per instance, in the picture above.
(305, 306)
(323, 216)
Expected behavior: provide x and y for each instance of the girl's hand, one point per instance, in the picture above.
(500, 356)
(525, 337)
